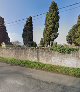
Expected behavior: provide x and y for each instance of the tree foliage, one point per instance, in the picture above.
(3, 33)
(51, 24)
(73, 36)
(28, 32)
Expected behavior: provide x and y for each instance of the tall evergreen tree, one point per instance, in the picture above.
(3, 33)
(28, 32)
(73, 36)
(51, 24)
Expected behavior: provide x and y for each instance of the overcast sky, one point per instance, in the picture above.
(12, 10)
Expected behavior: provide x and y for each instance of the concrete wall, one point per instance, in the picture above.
(44, 56)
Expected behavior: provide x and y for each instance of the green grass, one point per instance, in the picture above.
(40, 66)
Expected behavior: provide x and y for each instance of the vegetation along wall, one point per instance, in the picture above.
(42, 55)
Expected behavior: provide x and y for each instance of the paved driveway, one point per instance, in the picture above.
(19, 79)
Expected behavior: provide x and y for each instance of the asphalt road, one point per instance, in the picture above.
(19, 79)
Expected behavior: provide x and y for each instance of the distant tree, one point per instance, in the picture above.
(51, 24)
(42, 42)
(16, 43)
(28, 32)
(73, 36)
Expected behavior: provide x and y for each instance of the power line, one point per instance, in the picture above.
(69, 5)
(16, 21)
(26, 18)
(71, 8)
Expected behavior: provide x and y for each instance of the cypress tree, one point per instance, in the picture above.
(73, 36)
(28, 32)
(51, 24)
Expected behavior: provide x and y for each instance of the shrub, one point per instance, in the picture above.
(64, 49)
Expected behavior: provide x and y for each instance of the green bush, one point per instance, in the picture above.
(63, 49)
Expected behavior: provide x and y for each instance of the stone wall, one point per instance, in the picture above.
(41, 55)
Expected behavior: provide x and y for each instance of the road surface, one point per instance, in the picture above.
(20, 79)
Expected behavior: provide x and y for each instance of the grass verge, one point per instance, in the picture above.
(40, 66)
